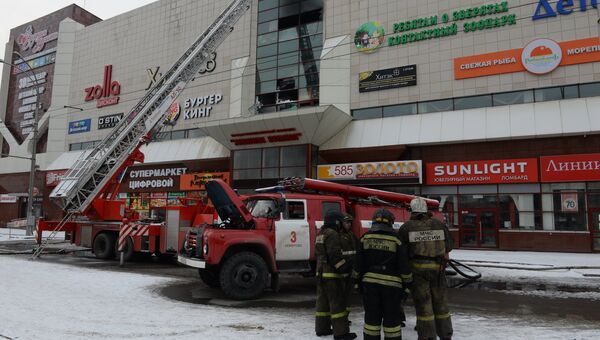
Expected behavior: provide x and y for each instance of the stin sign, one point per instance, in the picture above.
(562, 7)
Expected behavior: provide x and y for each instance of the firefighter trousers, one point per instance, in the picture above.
(431, 305)
(382, 308)
(331, 307)
(348, 288)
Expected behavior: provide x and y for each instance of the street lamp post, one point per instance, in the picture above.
(30, 214)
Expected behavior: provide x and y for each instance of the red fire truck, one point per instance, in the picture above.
(88, 192)
(274, 230)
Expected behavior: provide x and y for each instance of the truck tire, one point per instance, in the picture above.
(104, 246)
(244, 276)
(128, 252)
(210, 277)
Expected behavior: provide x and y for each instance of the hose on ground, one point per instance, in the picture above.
(462, 270)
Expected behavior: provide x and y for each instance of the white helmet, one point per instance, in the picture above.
(418, 205)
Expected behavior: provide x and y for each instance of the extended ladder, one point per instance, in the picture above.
(92, 172)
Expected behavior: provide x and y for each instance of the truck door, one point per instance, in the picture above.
(292, 233)
(172, 242)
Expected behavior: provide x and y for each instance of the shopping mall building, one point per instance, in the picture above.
(490, 107)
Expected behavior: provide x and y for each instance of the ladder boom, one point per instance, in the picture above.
(91, 173)
(300, 184)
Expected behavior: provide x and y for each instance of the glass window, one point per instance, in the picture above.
(287, 2)
(195, 133)
(311, 5)
(477, 201)
(374, 112)
(270, 157)
(544, 95)
(309, 93)
(511, 98)
(311, 79)
(295, 210)
(267, 39)
(287, 71)
(246, 174)
(311, 28)
(297, 171)
(310, 67)
(288, 34)
(270, 173)
(589, 90)
(178, 134)
(87, 145)
(330, 206)
(286, 11)
(74, 147)
(270, 74)
(570, 92)
(265, 63)
(267, 27)
(288, 46)
(244, 159)
(435, 106)
(265, 51)
(262, 207)
(312, 16)
(311, 54)
(287, 83)
(293, 155)
(288, 58)
(267, 4)
(287, 96)
(472, 102)
(400, 110)
(266, 86)
(569, 210)
(267, 15)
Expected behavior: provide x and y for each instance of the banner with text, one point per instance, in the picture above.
(483, 172)
(409, 170)
(570, 168)
(196, 181)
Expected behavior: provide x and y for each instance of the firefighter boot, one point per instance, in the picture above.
(347, 336)
(329, 332)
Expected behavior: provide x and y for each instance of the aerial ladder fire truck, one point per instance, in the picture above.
(273, 231)
(88, 191)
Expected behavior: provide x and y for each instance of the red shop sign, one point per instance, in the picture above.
(570, 168)
(483, 172)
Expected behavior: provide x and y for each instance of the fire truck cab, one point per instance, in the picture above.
(271, 232)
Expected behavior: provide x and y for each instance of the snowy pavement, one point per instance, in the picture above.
(12, 234)
(42, 300)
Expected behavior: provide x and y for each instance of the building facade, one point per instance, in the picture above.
(487, 106)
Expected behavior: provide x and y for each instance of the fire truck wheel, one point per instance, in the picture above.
(104, 246)
(244, 276)
(127, 248)
(210, 277)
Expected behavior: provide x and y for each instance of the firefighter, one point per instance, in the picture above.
(384, 277)
(349, 244)
(429, 243)
(332, 270)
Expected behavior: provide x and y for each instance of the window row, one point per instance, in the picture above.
(276, 162)
(289, 83)
(83, 145)
(179, 134)
(309, 94)
(311, 44)
(487, 100)
(270, 10)
(272, 35)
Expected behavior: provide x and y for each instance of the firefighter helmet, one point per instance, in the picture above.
(418, 205)
(348, 218)
(333, 218)
(383, 217)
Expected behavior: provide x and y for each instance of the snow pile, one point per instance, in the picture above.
(42, 300)
(11, 234)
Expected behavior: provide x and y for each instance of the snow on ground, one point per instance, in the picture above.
(41, 300)
(12, 234)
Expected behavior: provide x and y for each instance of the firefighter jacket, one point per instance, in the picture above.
(331, 263)
(428, 241)
(382, 259)
(349, 244)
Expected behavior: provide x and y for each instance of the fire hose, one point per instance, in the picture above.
(464, 270)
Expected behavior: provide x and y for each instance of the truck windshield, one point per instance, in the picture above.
(262, 207)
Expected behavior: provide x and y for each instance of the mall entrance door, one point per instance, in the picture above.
(479, 228)
(594, 219)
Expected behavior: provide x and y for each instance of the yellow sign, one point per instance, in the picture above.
(393, 169)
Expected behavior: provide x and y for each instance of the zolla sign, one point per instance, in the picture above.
(473, 19)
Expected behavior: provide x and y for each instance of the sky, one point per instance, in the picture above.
(16, 13)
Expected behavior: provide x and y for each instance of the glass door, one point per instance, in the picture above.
(595, 228)
(479, 228)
